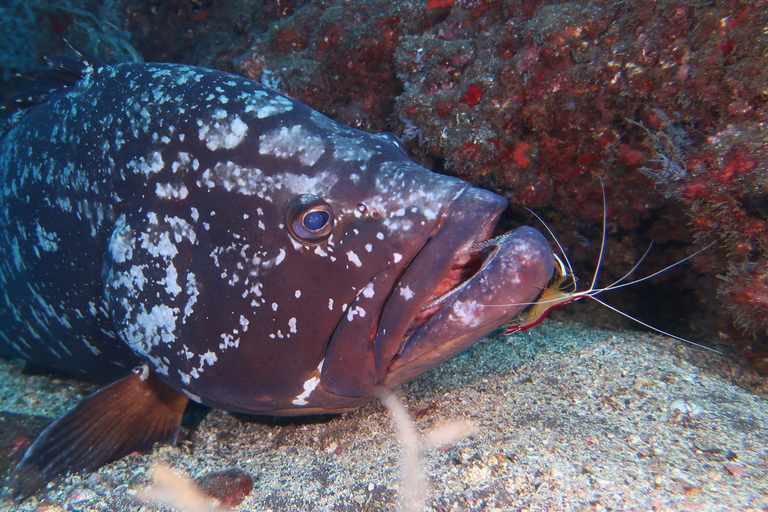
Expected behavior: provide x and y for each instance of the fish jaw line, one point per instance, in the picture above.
(515, 268)
(373, 327)
(444, 262)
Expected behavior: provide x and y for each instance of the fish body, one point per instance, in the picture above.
(254, 254)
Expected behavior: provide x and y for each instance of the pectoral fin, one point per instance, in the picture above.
(129, 414)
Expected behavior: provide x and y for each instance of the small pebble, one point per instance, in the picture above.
(229, 486)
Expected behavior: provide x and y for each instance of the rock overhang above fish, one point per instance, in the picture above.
(258, 256)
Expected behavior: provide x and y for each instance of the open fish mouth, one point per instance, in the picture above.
(438, 304)
(464, 284)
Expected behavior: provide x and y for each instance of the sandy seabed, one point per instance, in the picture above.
(565, 418)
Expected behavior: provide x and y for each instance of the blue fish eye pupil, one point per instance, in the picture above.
(308, 219)
(315, 220)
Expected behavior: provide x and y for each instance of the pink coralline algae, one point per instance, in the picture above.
(664, 101)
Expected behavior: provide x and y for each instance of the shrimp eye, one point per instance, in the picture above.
(309, 219)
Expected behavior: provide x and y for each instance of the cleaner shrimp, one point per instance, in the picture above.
(556, 294)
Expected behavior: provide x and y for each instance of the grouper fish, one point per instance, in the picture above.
(189, 234)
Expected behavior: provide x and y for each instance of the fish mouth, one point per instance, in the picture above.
(463, 284)
(458, 286)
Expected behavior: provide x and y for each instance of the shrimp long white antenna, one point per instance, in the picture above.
(555, 296)
(602, 241)
(655, 329)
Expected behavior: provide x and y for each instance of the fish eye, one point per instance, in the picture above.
(309, 219)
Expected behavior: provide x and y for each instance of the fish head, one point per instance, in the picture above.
(360, 275)
(312, 265)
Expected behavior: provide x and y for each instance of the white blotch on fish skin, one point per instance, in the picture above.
(160, 246)
(396, 257)
(46, 240)
(274, 306)
(209, 358)
(309, 387)
(222, 132)
(171, 284)
(244, 323)
(352, 257)
(122, 242)
(229, 340)
(151, 328)
(187, 353)
(274, 105)
(133, 280)
(171, 191)
(191, 396)
(330, 304)
(349, 149)
(18, 261)
(406, 293)
(297, 294)
(287, 142)
(192, 294)
(280, 257)
(292, 325)
(153, 163)
(466, 312)
(65, 204)
(356, 311)
(368, 291)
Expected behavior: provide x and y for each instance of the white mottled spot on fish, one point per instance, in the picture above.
(287, 142)
(466, 312)
(309, 387)
(151, 164)
(356, 311)
(121, 243)
(171, 191)
(273, 106)
(280, 257)
(222, 132)
(352, 257)
(209, 358)
(171, 285)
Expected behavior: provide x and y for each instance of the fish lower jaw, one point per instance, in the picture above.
(503, 277)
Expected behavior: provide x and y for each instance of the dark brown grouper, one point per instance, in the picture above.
(239, 248)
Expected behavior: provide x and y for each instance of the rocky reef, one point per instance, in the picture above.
(665, 102)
